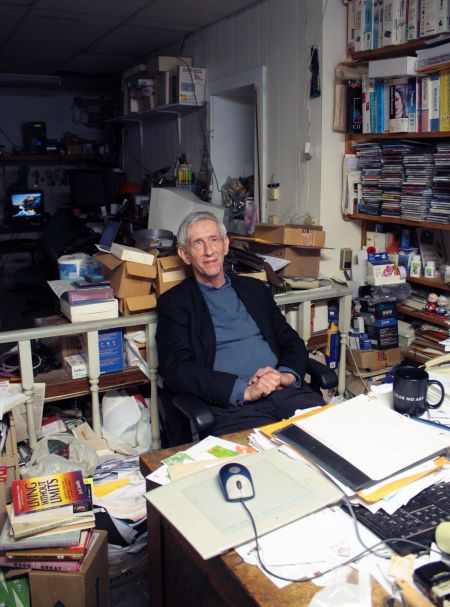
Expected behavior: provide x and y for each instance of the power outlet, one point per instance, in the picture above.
(346, 259)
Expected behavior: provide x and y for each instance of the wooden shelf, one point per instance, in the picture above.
(365, 137)
(49, 159)
(431, 283)
(435, 320)
(394, 50)
(58, 384)
(429, 225)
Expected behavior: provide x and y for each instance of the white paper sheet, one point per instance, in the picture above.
(377, 440)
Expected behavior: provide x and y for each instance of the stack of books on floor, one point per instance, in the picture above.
(49, 524)
(96, 302)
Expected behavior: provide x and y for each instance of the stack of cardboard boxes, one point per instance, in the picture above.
(136, 285)
(163, 80)
(298, 244)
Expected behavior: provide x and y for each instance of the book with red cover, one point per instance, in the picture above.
(41, 493)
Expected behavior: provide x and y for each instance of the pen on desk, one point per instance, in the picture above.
(430, 423)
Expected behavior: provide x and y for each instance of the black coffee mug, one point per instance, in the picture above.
(410, 391)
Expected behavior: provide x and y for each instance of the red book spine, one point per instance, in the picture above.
(42, 565)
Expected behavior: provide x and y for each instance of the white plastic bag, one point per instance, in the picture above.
(43, 462)
(125, 423)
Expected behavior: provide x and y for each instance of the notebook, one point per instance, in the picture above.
(285, 490)
(108, 235)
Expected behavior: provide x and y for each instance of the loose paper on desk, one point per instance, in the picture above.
(376, 440)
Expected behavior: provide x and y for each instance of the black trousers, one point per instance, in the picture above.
(279, 405)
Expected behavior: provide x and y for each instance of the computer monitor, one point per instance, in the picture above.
(91, 189)
(25, 206)
(168, 206)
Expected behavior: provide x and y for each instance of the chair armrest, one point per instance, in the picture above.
(196, 410)
(321, 375)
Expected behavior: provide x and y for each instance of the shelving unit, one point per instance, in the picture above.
(368, 221)
(157, 112)
(52, 160)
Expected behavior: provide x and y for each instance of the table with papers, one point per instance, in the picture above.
(176, 570)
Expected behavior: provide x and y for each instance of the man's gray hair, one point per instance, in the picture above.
(195, 217)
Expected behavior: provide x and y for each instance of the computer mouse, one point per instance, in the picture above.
(236, 482)
(442, 536)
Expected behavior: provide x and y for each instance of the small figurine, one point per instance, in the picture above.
(442, 306)
(431, 304)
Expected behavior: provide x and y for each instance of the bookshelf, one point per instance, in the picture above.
(367, 221)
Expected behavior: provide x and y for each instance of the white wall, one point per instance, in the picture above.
(278, 34)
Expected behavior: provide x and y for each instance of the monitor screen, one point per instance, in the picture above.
(26, 205)
(91, 189)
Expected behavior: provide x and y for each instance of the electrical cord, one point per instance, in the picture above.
(367, 549)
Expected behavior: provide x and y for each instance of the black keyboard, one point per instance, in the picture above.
(416, 521)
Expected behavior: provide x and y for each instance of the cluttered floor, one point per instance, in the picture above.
(128, 582)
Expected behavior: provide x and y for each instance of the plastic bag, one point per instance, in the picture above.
(126, 423)
(42, 462)
(354, 591)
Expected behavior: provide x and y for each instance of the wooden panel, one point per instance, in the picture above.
(59, 385)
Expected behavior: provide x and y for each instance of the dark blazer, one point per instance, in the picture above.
(186, 338)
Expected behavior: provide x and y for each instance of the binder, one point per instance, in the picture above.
(362, 443)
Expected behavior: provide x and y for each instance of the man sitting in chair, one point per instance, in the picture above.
(222, 338)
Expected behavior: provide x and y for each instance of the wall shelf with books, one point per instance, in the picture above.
(393, 50)
(429, 225)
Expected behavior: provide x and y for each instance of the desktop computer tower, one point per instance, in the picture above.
(34, 138)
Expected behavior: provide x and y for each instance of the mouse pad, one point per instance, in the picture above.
(285, 490)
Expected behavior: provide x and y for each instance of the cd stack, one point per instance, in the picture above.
(416, 189)
(369, 160)
(440, 201)
(392, 177)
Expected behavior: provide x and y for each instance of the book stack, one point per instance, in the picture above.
(373, 24)
(89, 303)
(49, 523)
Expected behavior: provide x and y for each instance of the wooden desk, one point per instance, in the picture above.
(179, 576)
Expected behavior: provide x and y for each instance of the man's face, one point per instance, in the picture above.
(205, 251)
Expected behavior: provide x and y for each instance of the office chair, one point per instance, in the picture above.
(186, 418)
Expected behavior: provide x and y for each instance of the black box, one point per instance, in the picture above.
(34, 138)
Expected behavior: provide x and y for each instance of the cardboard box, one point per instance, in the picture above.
(137, 305)
(128, 278)
(76, 366)
(89, 587)
(187, 85)
(163, 63)
(291, 234)
(86, 435)
(373, 359)
(303, 261)
(170, 271)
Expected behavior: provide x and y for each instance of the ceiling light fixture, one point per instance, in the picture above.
(9, 79)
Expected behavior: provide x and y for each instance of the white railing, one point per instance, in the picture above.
(296, 306)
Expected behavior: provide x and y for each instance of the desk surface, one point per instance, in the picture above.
(179, 576)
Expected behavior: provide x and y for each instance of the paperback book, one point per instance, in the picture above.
(48, 492)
